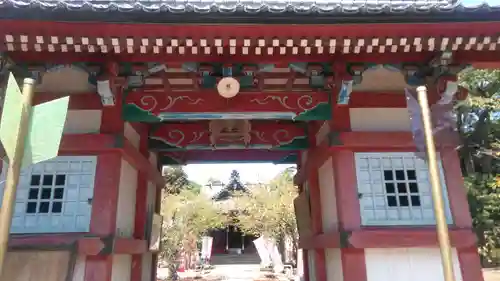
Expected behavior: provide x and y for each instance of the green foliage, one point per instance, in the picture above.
(187, 216)
(483, 86)
(478, 120)
(268, 209)
(177, 180)
(484, 200)
(233, 188)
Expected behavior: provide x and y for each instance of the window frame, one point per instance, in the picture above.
(79, 190)
(401, 222)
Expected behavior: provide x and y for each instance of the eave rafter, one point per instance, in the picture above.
(128, 42)
(263, 135)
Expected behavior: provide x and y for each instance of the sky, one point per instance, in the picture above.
(255, 172)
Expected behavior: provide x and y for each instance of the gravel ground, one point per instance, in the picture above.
(491, 274)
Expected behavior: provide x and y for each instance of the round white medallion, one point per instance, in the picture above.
(228, 87)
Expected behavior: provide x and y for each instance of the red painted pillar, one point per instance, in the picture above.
(105, 198)
(348, 209)
(141, 204)
(315, 203)
(154, 264)
(300, 171)
(470, 264)
(103, 217)
(344, 171)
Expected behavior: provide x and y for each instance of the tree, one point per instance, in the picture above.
(235, 182)
(187, 216)
(176, 180)
(479, 127)
(268, 210)
(234, 186)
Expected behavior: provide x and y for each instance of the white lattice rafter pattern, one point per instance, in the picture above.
(244, 46)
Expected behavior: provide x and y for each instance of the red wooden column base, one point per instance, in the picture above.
(105, 197)
(154, 263)
(316, 217)
(348, 209)
(470, 265)
(98, 268)
(320, 262)
(103, 218)
(141, 204)
(353, 264)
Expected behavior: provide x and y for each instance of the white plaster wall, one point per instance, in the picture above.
(83, 122)
(300, 264)
(79, 269)
(379, 119)
(131, 135)
(322, 132)
(65, 80)
(380, 79)
(333, 259)
(122, 268)
(126, 200)
(328, 196)
(35, 265)
(408, 264)
(147, 262)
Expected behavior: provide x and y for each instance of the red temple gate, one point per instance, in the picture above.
(317, 84)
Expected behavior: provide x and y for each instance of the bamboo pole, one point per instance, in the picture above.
(437, 194)
(14, 169)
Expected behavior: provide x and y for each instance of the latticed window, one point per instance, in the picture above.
(54, 196)
(394, 189)
(401, 187)
(46, 193)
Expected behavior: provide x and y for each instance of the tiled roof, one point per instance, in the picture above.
(345, 7)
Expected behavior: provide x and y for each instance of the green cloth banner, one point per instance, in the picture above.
(45, 127)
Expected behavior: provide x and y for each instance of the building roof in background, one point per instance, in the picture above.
(346, 8)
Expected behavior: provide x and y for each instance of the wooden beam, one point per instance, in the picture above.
(406, 237)
(234, 156)
(146, 105)
(195, 135)
(103, 246)
(81, 144)
(386, 141)
(321, 241)
(98, 144)
(377, 100)
(91, 101)
(89, 246)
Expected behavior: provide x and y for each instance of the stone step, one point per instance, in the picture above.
(228, 259)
